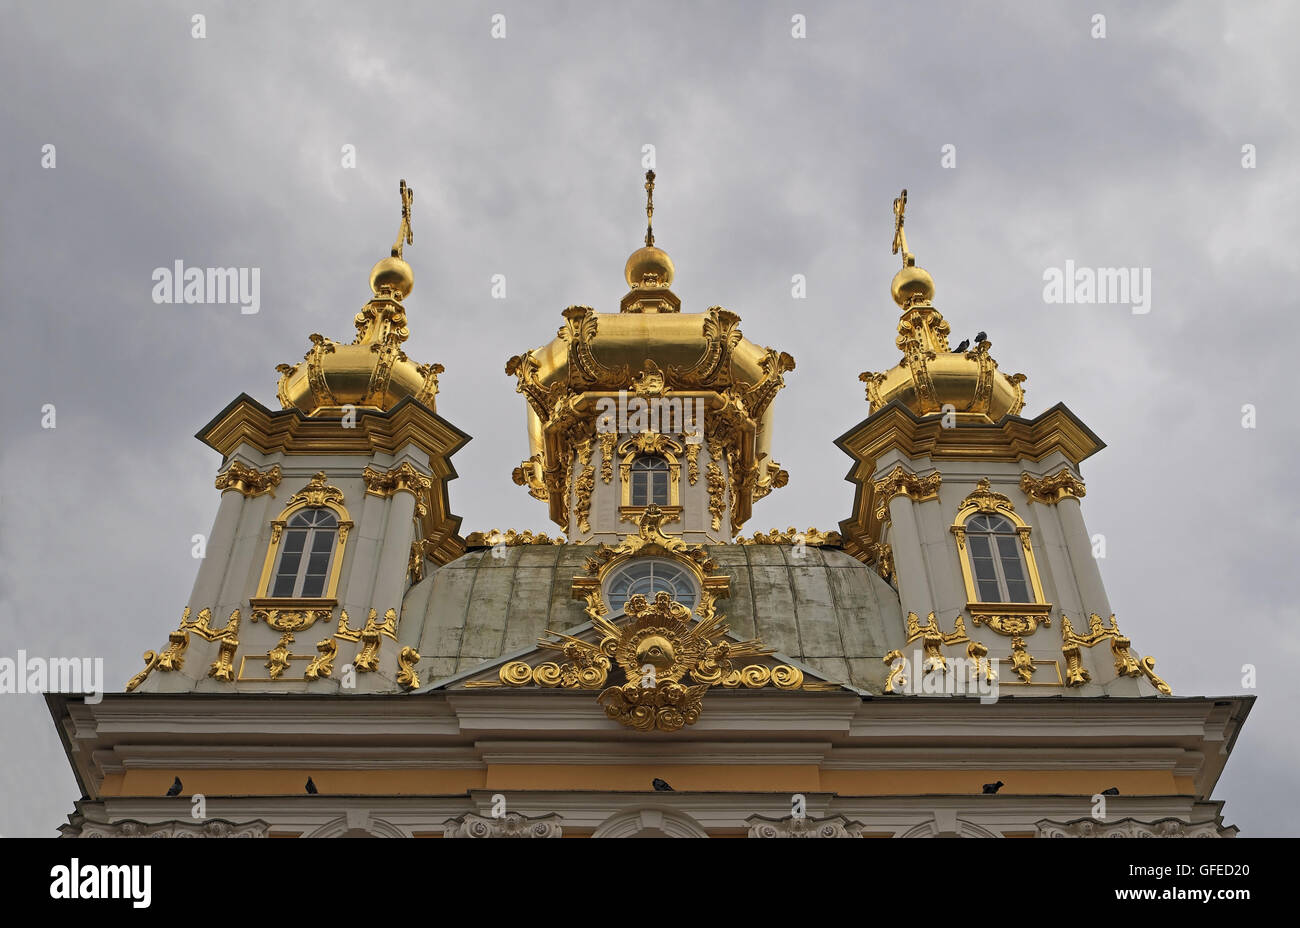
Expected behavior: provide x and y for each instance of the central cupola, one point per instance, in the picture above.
(650, 405)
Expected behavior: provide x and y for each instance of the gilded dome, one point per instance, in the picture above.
(373, 372)
(932, 379)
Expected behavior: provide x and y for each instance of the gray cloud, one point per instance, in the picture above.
(776, 157)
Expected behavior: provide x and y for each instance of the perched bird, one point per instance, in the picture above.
(1113, 791)
(311, 787)
(175, 788)
(990, 788)
(980, 336)
(661, 785)
(962, 346)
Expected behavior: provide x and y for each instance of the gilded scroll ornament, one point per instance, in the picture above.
(1017, 620)
(510, 538)
(173, 657)
(985, 499)
(531, 473)
(1021, 662)
(774, 365)
(1148, 665)
(692, 462)
(429, 390)
(315, 361)
(248, 480)
(1051, 490)
(607, 442)
(584, 485)
(223, 668)
(407, 658)
(896, 682)
(1075, 673)
(277, 659)
(717, 487)
(367, 659)
(584, 370)
(881, 554)
(813, 538)
(873, 380)
(902, 483)
(979, 654)
(713, 369)
(650, 382)
(1126, 665)
(322, 665)
(291, 620)
(655, 650)
(933, 638)
(316, 493)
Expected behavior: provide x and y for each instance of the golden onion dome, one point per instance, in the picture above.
(373, 372)
(690, 351)
(932, 379)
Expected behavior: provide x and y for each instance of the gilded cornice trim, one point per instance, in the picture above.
(813, 538)
(510, 538)
(248, 480)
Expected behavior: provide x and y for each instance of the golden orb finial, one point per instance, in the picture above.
(649, 267)
(912, 284)
(392, 276)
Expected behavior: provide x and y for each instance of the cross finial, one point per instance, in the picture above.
(900, 239)
(404, 230)
(649, 207)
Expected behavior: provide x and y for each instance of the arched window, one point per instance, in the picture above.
(997, 560)
(306, 552)
(649, 481)
(648, 576)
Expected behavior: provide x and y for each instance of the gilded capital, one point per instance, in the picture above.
(1051, 490)
(402, 478)
(248, 480)
(902, 483)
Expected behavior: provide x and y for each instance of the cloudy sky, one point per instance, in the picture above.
(776, 156)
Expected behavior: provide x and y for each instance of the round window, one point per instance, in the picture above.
(649, 576)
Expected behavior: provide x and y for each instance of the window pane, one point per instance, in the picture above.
(294, 540)
(986, 578)
(317, 563)
(649, 577)
(324, 541)
(313, 586)
(639, 480)
(1013, 569)
(1018, 590)
(661, 488)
